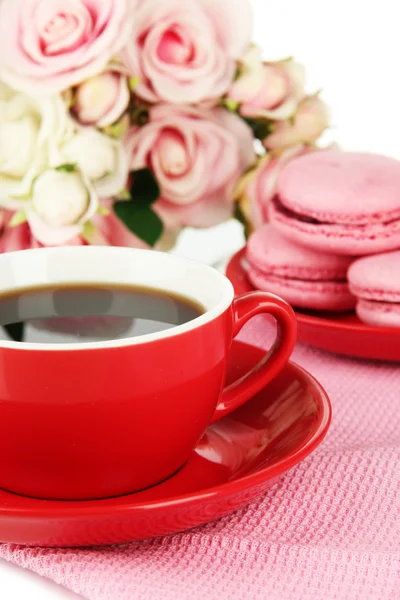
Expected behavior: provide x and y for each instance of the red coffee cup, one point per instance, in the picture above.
(101, 419)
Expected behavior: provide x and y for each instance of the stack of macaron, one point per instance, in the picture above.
(333, 239)
(375, 281)
(304, 277)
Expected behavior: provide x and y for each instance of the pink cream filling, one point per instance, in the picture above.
(374, 305)
(338, 286)
(318, 216)
(376, 295)
(309, 225)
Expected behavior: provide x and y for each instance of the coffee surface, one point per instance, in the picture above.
(87, 313)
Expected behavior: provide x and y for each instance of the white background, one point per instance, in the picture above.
(351, 51)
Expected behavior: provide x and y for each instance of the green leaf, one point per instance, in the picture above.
(261, 128)
(18, 218)
(135, 212)
(144, 189)
(15, 331)
(88, 231)
(103, 210)
(124, 195)
(66, 167)
(116, 130)
(133, 82)
(231, 105)
(21, 198)
(238, 72)
(140, 220)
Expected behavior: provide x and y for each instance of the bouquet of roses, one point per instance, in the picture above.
(123, 121)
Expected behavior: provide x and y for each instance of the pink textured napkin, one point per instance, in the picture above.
(329, 530)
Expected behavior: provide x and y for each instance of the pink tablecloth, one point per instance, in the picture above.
(329, 530)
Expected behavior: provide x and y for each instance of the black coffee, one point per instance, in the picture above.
(87, 313)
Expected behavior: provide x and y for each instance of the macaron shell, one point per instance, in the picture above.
(350, 240)
(376, 277)
(378, 314)
(269, 251)
(326, 295)
(342, 187)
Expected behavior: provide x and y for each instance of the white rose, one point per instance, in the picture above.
(61, 203)
(30, 130)
(102, 159)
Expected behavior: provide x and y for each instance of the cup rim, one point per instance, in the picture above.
(227, 295)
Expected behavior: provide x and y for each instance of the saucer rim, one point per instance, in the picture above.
(64, 509)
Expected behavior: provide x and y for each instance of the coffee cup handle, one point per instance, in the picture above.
(245, 308)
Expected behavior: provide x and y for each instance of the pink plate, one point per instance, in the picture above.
(342, 332)
(237, 459)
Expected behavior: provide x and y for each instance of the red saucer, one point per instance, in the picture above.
(238, 458)
(342, 333)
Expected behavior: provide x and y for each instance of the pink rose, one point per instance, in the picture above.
(307, 125)
(257, 187)
(267, 90)
(102, 99)
(107, 230)
(16, 238)
(185, 51)
(197, 157)
(49, 45)
(21, 237)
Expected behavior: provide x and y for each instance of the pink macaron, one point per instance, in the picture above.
(375, 280)
(341, 202)
(303, 277)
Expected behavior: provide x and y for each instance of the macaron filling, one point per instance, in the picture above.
(357, 220)
(372, 305)
(376, 295)
(306, 274)
(300, 283)
(291, 214)
(310, 225)
(307, 294)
